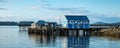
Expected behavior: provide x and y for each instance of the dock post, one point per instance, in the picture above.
(77, 33)
(67, 32)
(83, 32)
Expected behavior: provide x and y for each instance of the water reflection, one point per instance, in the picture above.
(41, 40)
(60, 42)
(78, 42)
(10, 37)
(23, 28)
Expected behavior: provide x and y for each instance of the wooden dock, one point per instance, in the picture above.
(59, 31)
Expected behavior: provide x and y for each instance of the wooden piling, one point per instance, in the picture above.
(56, 32)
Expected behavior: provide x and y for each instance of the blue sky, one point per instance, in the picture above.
(51, 10)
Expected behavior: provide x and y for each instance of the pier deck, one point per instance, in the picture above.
(59, 31)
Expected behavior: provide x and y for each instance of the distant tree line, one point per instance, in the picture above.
(117, 24)
(12, 23)
(8, 23)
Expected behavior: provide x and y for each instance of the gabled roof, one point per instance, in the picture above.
(41, 22)
(77, 17)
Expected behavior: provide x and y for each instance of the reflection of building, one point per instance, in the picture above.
(43, 41)
(78, 42)
(77, 21)
(60, 42)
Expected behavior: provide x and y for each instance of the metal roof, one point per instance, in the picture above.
(41, 22)
(77, 17)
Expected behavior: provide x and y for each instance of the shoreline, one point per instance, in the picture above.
(115, 32)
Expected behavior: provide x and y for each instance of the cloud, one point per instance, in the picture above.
(44, 3)
(118, 15)
(43, 0)
(33, 7)
(9, 18)
(3, 9)
(70, 10)
(103, 18)
(74, 10)
(1, 0)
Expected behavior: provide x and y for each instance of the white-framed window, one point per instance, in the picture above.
(70, 22)
(86, 22)
(81, 22)
(76, 22)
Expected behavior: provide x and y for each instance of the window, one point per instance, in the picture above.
(70, 22)
(81, 22)
(75, 21)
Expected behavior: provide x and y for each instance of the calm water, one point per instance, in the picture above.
(11, 37)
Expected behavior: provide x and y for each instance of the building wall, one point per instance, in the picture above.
(78, 24)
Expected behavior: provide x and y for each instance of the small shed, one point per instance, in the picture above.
(41, 23)
(52, 24)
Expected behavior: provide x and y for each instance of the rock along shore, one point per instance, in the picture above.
(108, 32)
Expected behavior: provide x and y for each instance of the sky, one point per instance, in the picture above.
(54, 10)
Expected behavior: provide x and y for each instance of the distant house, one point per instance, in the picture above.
(41, 23)
(51, 24)
(44, 25)
(77, 21)
(59, 26)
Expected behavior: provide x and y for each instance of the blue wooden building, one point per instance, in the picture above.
(77, 21)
